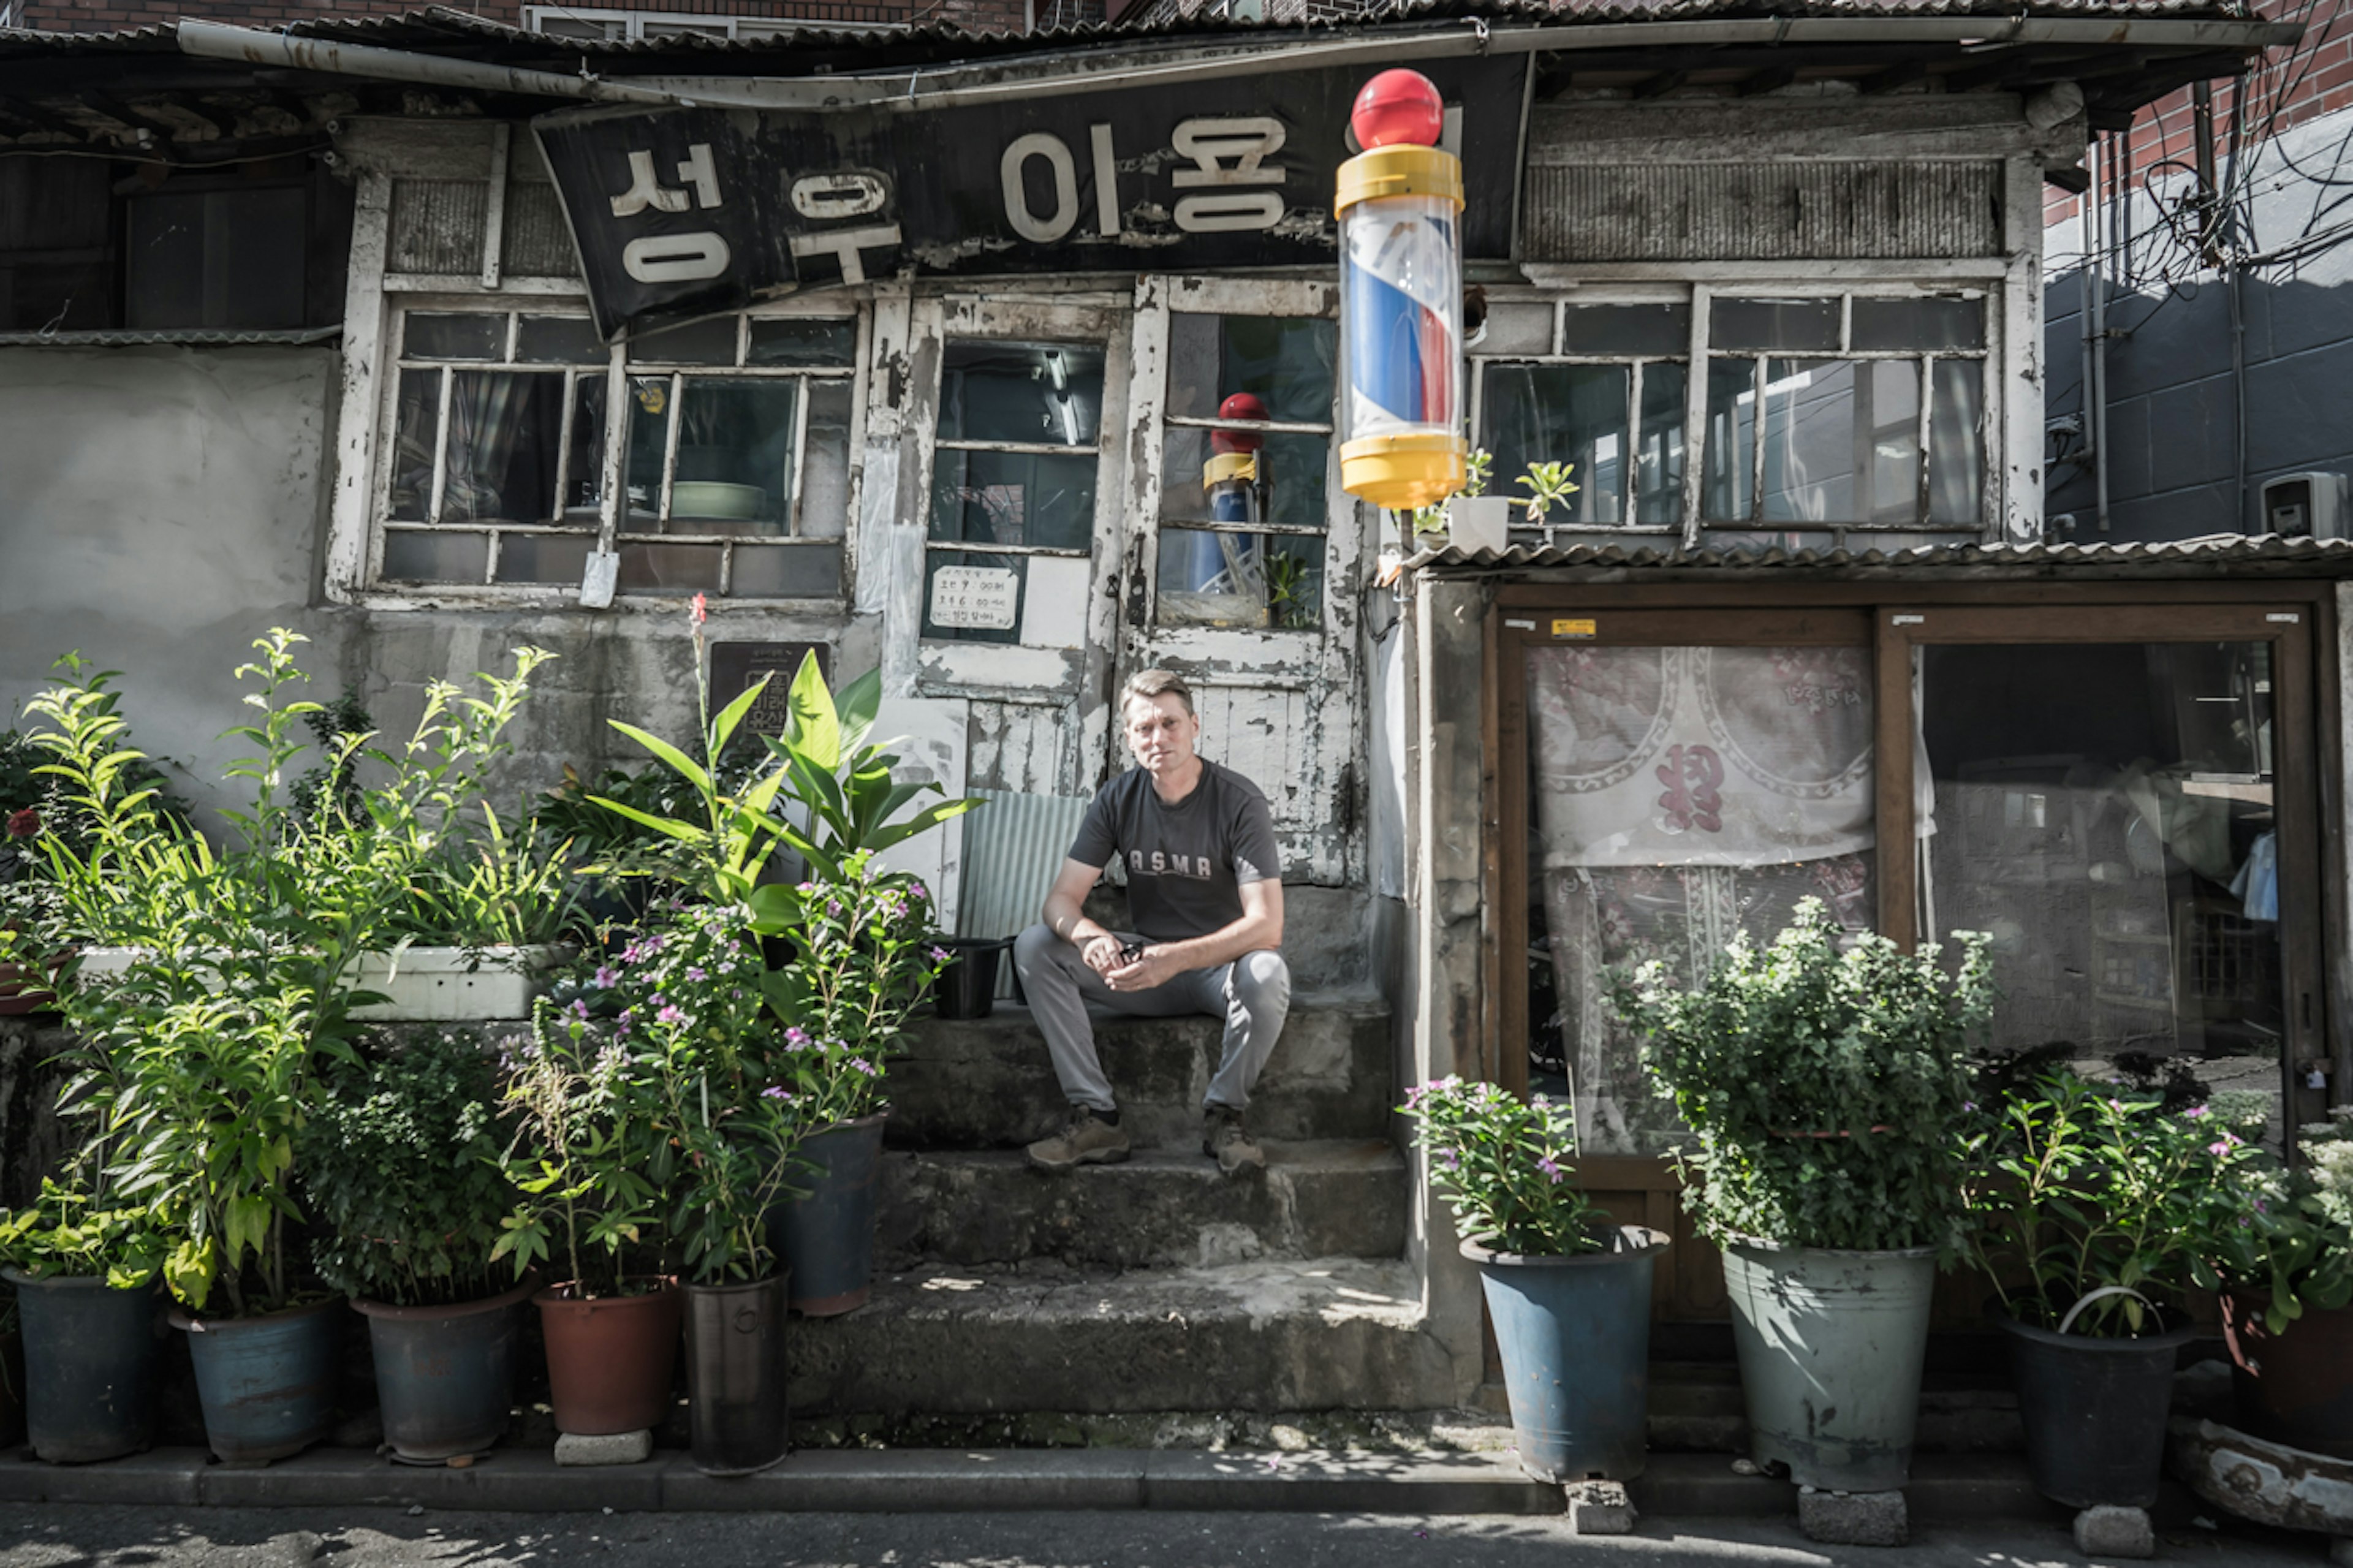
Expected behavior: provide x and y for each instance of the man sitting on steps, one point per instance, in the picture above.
(1204, 889)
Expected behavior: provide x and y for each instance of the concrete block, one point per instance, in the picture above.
(1853, 1519)
(1599, 1508)
(2111, 1531)
(614, 1448)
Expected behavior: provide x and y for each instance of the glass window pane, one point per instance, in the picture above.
(1285, 362)
(804, 340)
(1659, 447)
(1741, 325)
(1956, 442)
(1889, 408)
(1288, 490)
(1014, 498)
(825, 474)
(559, 340)
(708, 341)
(786, 572)
(418, 557)
(1516, 327)
(1254, 580)
(648, 568)
(1765, 755)
(1050, 392)
(1573, 414)
(415, 428)
(542, 558)
(430, 336)
(641, 468)
(1933, 325)
(585, 464)
(976, 599)
(1626, 330)
(1729, 479)
(1809, 440)
(504, 428)
(2105, 812)
(735, 455)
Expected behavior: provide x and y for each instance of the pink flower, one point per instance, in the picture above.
(701, 609)
(2224, 1144)
(607, 977)
(670, 1015)
(2195, 1111)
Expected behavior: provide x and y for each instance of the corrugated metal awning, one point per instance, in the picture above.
(179, 337)
(2219, 554)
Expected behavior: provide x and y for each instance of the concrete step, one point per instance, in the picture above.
(1161, 1208)
(986, 1083)
(1313, 1334)
(1696, 1408)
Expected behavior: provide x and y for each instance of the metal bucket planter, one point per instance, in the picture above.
(736, 1376)
(1575, 1333)
(609, 1358)
(967, 986)
(2295, 1387)
(445, 1375)
(266, 1383)
(2093, 1411)
(825, 1241)
(1830, 1343)
(90, 1361)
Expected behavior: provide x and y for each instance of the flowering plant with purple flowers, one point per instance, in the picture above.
(2291, 1246)
(1507, 1164)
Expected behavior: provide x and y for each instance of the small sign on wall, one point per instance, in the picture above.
(735, 667)
(986, 598)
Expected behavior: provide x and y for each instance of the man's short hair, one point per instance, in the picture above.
(1150, 683)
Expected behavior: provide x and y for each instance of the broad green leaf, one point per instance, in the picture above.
(816, 729)
(686, 767)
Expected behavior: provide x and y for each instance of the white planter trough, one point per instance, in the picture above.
(423, 984)
(1479, 522)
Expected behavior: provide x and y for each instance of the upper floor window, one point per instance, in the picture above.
(712, 456)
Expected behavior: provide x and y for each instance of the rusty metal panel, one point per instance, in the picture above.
(1823, 210)
(537, 242)
(437, 226)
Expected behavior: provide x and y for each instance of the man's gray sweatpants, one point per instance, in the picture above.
(1252, 993)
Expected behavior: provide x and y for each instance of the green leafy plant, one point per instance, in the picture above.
(403, 1176)
(586, 1155)
(1822, 1078)
(1288, 590)
(1547, 485)
(2096, 1206)
(2291, 1239)
(69, 1232)
(1477, 469)
(1506, 1165)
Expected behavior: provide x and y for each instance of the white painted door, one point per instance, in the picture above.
(1256, 608)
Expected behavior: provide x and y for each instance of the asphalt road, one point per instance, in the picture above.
(73, 1536)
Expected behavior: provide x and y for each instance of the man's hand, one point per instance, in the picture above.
(1152, 967)
(1102, 952)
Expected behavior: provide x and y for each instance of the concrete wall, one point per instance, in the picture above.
(2172, 459)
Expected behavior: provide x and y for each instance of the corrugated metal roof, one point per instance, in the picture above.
(2219, 553)
(181, 337)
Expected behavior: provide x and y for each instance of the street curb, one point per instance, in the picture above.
(937, 1480)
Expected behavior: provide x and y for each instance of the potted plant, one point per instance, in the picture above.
(90, 1322)
(2098, 1207)
(1822, 1079)
(2287, 1303)
(584, 1145)
(1567, 1290)
(405, 1185)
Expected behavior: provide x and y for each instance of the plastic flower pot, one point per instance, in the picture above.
(91, 1356)
(2093, 1411)
(445, 1375)
(1830, 1343)
(736, 1376)
(266, 1383)
(825, 1241)
(610, 1358)
(1575, 1332)
(12, 1389)
(967, 986)
(2294, 1387)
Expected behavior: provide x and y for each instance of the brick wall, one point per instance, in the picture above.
(109, 15)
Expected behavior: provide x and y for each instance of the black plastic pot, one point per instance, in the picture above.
(2093, 1411)
(90, 1360)
(266, 1383)
(966, 987)
(825, 1240)
(735, 1375)
(445, 1375)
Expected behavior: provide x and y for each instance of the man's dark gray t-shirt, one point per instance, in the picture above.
(1185, 863)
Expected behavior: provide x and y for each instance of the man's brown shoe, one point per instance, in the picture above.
(1087, 1140)
(1225, 1140)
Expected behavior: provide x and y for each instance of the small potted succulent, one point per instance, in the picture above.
(1567, 1290)
(403, 1182)
(2097, 1207)
(1822, 1078)
(91, 1321)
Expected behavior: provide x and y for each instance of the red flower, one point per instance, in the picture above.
(24, 824)
(702, 610)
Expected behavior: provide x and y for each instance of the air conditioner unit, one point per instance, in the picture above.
(2305, 506)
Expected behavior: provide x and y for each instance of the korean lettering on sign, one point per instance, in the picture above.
(986, 597)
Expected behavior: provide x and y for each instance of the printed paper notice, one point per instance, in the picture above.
(986, 598)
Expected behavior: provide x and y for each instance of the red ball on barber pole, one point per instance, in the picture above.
(1398, 108)
(1240, 406)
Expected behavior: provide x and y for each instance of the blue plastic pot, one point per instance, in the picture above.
(825, 1240)
(266, 1383)
(90, 1361)
(445, 1375)
(1575, 1333)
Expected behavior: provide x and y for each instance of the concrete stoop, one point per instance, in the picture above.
(1275, 1334)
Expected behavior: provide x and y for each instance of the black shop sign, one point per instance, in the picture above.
(678, 209)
